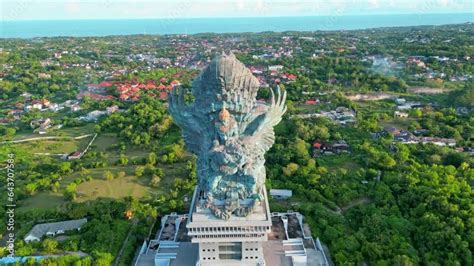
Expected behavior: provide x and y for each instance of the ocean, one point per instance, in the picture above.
(77, 28)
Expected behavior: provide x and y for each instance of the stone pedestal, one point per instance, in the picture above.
(236, 241)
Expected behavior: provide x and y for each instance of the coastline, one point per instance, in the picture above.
(100, 28)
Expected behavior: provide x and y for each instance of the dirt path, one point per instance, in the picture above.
(427, 90)
(124, 244)
(355, 202)
(46, 138)
(340, 210)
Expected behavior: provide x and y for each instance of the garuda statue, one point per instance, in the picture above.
(230, 132)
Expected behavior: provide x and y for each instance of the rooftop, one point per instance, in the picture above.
(292, 246)
(40, 230)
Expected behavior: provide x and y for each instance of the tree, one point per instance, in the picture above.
(139, 170)
(49, 245)
(108, 175)
(31, 188)
(9, 131)
(290, 169)
(55, 187)
(155, 181)
(321, 132)
(300, 148)
(123, 160)
(121, 174)
(417, 113)
(103, 258)
(70, 191)
(65, 167)
(152, 158)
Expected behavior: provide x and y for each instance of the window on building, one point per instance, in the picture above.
(230, 251)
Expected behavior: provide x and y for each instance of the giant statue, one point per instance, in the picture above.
(229, 131)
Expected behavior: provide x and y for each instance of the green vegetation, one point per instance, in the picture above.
(382, 202)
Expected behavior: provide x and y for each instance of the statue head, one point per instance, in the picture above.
(224, 115)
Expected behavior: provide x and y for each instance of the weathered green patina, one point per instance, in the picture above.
(230, 132)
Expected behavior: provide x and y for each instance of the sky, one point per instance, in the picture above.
(143, 9)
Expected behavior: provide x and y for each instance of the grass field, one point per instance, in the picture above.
(339, 161)
(104, 142)
(129, 185)
(399, 123)
(42, 200)
(99, 187)
(122, 187)
(117, 188)
(63, 132)
(305, 108)
(54, 146)
(78, 131)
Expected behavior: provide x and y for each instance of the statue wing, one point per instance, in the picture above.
(190, 125)
(260, 132)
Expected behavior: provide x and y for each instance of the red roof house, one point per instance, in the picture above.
(104, 84)
(150, 85)
(317, 145)
(175, 83)
(161, 86)
(163, 95)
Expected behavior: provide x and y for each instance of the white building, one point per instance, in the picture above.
(52, 229)
(400, 114)
(400, 101)
(275, 68)
(404, 107)
(55, 107)
(262, 238)
(281, 194)
(75, 107)
(93, 116)
(38, 106)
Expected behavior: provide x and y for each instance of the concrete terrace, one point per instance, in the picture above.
(289, 243)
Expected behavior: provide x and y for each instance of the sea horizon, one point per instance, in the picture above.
(161, 26)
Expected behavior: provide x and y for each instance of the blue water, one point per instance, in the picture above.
(51, 28)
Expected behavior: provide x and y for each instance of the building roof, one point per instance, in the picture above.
(161, 86)
(75, 154)
(317, 144)
(175, 82)
(105, 84)
(281, 192)
(150, 85)
(40, 230)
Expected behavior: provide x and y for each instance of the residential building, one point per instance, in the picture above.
(281, 194)
(52, 229)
